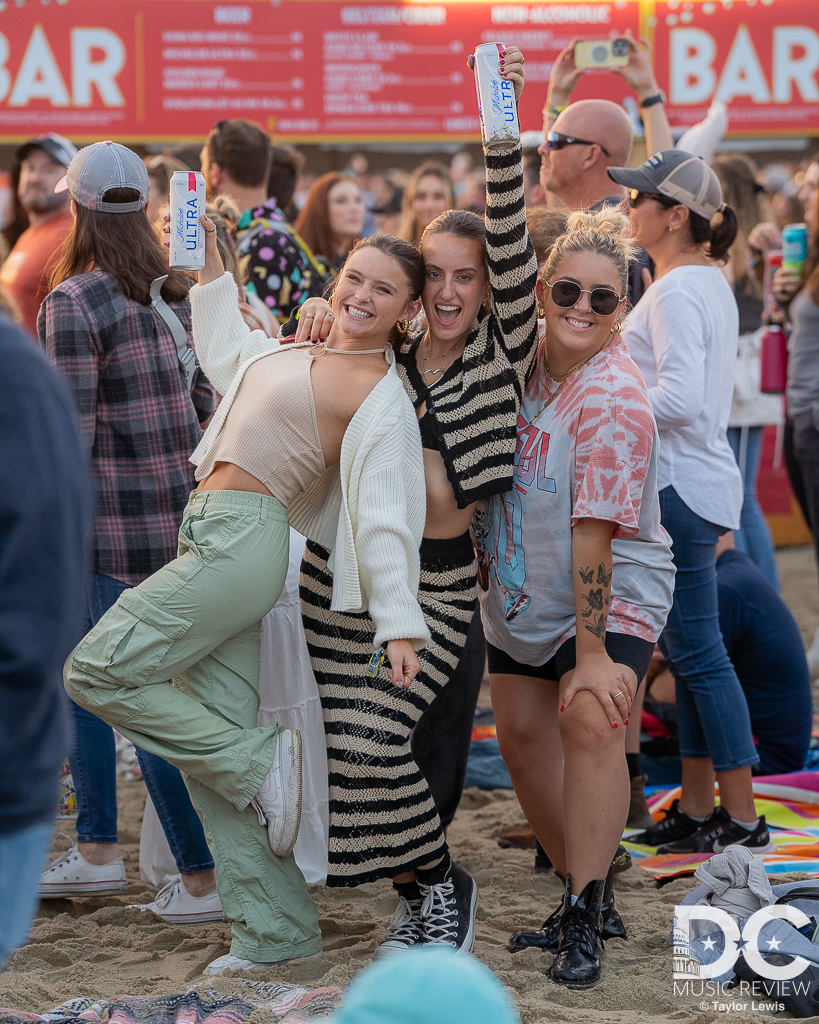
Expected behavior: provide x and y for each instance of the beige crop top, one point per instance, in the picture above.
(282, 451)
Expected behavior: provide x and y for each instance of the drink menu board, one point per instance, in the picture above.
(339, 70)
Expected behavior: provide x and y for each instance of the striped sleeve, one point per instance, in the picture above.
(512, 261)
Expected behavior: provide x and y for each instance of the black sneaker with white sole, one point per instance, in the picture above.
(448, 910)
(406, 928)
(674, 825)
(719, 831)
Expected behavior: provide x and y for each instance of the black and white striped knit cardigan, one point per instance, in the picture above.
(475, 412)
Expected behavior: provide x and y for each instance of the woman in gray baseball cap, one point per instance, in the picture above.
(683, 335)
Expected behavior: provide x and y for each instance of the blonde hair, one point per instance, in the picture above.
(606, 233)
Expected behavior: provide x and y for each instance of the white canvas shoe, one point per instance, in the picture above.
(176, 905)
(72, 875)
(228, 962)
(278, 802)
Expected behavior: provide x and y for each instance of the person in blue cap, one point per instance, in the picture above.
(426, 986)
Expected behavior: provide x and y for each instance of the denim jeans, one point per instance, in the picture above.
(712, 713)
(22, 858)
(93, 768)
(753, 537)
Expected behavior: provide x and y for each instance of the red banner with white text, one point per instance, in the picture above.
(340, 70)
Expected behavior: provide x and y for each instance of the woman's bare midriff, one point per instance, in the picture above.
(444, 519)
(227, 477)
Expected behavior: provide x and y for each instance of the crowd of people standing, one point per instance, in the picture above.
(504, 434)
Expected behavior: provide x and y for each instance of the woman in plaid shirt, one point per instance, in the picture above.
(140, 422)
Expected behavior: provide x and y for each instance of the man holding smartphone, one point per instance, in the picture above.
(582, 140)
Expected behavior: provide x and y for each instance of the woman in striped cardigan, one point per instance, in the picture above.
(465, 376)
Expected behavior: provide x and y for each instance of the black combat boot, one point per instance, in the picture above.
(547, 937)
(577, 964)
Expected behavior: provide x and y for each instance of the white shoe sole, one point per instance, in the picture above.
(283, 834)
(469, 942)
(67, 889)
(203, 918)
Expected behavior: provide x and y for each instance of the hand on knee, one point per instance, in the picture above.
(584, 725)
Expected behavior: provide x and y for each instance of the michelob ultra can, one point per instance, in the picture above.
(795, 246)
(187, 233)
(496, 98)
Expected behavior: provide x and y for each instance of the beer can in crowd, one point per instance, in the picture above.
(496, 98)
(187, 233)
(795, 246)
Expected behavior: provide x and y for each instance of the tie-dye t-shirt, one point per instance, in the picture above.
(591, 454)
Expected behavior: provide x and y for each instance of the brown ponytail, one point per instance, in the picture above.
(717, 235)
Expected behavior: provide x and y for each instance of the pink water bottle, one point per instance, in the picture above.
(774, 360)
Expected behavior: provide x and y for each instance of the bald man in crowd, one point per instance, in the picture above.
(582, 140)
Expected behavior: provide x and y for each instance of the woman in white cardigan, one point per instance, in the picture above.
(174, 665)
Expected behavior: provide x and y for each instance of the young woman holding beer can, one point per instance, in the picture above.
(347, 470)
(465, 375)
(797, 289)
(684, 337)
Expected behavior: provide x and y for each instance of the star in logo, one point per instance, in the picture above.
(709, 944)
(773, 943)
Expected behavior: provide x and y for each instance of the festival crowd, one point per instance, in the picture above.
(516, 414)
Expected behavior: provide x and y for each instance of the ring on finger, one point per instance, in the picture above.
(309, 316)
(619, 693)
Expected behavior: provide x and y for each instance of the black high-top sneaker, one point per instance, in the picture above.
(406, 928)
(448, 911)
(577, 964)
(547, 937)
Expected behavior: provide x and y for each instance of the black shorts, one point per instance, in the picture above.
(632, 651)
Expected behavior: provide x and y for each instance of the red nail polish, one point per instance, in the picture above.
(562, 706)
(615, 725)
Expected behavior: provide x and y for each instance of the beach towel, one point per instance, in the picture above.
(200, 1004)
(790, 804)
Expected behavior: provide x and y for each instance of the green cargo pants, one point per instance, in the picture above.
(174, 665)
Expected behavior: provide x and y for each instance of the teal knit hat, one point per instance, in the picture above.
(426, 986)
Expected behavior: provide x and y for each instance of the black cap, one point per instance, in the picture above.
(57, 146)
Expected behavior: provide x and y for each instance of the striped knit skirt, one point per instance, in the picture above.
(382, 817)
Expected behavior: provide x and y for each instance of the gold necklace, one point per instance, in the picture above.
(544, 369)
(439, 370)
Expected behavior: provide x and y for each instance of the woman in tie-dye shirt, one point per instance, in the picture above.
(577, 578)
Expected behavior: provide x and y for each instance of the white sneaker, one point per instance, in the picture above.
(406, 929)
(812, 655)
(176, 905)
(229, 962)
(278, 802)
(72, 875)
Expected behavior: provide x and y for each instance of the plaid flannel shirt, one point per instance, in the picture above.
(139, 421)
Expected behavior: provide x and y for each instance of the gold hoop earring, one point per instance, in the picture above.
(541, 313)
(617, 327)
(404, 325)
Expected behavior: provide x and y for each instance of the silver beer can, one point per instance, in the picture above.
(496, 98)
(187, 233)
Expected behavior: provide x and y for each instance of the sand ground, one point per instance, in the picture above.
(97, 947)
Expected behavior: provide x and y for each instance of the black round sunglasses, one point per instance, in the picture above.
(565, 293)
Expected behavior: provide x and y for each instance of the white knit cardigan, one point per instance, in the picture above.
(369, 511)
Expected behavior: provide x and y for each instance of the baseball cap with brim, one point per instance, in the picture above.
(426, 986)
(57, 146)
(678, 175)
(97, 169)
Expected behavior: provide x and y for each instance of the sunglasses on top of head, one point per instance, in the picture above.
(557, 140)
(635, 197)
(565, 293)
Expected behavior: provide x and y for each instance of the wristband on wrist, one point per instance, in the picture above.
(554, 112)
(650, 101)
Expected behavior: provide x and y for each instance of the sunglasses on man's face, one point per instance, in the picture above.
(557, 140)
(565, 293)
